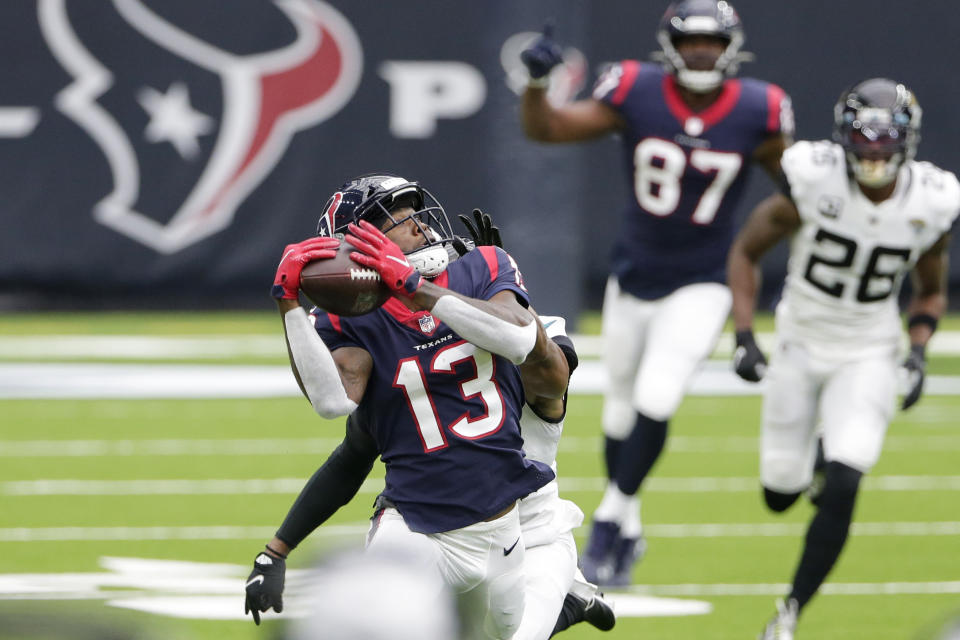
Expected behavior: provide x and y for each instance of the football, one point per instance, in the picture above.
(341, 286)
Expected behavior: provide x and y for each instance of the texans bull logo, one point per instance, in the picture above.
(220, 158)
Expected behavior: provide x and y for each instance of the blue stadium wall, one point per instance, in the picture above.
(161, 153)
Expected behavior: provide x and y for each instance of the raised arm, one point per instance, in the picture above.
(500, 325)
(333, 383)
(574, 122)
(580, 120)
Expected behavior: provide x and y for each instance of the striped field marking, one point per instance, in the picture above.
(841, 589)
(202, 346)
(716, 530)
(260, 486)
(314, 446)
(30, 380)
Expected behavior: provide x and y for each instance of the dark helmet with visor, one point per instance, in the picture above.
(376, 198)
(877, 122)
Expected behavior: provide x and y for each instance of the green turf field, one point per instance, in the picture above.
(207, 480)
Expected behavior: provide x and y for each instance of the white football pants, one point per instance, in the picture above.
(852, 401)
(653, 347)
(482, 563)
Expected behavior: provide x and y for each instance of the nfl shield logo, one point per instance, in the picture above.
(427, 325)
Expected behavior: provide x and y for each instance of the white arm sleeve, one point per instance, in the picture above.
(485, 330)
(318, 371)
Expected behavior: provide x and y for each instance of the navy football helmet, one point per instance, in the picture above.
(701, 17)
(374, 198)
(878, 124)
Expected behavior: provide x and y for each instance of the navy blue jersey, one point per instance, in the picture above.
(444, 414)
(686, 172)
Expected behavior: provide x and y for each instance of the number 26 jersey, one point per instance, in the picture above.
(849, 257)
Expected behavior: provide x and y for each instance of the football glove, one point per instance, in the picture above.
(462, 246)
(748, 361)
(483, 232)
(543, 55)
(265, 585)
(915, 366)
(382, 254)
(295, 256)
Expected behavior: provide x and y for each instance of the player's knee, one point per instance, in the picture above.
(658, 406)
(778, 501)
(618, 418)
(840, 487)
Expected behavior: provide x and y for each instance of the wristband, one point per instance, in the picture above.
(542, 82)
(925, 319)
(275, 552)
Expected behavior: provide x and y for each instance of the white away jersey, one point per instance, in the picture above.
(849, 256)
(543, 514)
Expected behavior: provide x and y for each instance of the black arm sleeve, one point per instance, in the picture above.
(333, 485)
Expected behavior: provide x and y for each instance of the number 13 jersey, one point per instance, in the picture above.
(443, 412)
(849, 256)
(686, 173)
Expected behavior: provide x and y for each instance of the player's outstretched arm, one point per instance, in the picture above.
(772, 220)
(334, 385)
(333, 485)
(579, 120)
(500, 325)
(926, 307)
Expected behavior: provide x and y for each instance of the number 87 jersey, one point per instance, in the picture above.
(849, 257)
(686, 173)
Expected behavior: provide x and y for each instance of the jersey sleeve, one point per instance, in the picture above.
(779, 112)
(943, 198)
(502, 274)
(331, 330)
(806, 163)
(615, 83)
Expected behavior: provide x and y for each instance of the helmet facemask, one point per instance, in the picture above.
(432, 258)
(691, 18)
(387, 201)
(879, 129)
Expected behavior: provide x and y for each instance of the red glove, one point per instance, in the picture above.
(382, 254)
(295, 256)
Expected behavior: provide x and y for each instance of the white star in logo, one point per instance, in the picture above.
(173, 120)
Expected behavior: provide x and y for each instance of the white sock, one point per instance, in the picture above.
(615, 505)
(631, 526)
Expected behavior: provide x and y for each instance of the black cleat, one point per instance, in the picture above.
(599, 613)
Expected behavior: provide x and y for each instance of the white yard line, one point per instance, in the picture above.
(139, 347)
(132, 347)
(137, 381)
(707, 530)
(831, 588)
(166, 447)
(321, 446)
(261, 486)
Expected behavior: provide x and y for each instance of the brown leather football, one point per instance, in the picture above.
(341, 286)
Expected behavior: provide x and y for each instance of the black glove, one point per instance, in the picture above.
(462, 246)
(748, 361)
(915, 365)
(543, 55)
(265, 585)
(485, 233)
